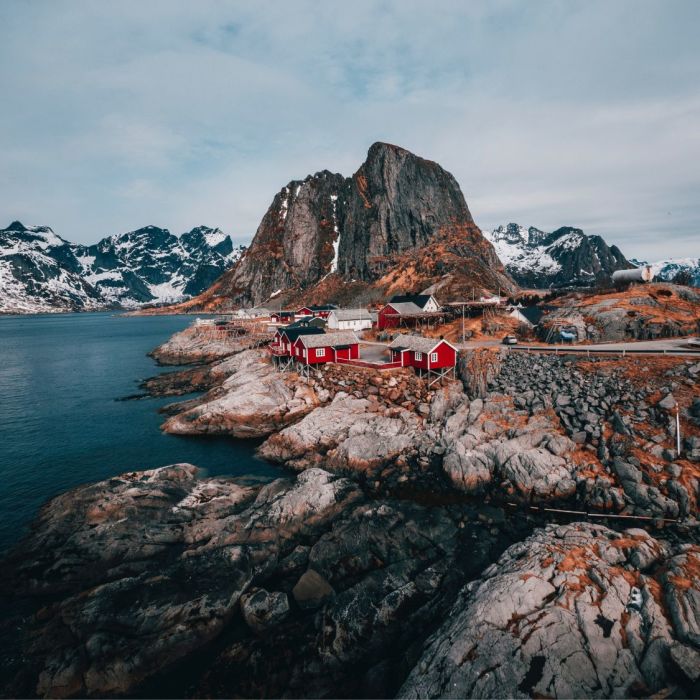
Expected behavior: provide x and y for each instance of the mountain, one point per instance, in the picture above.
(681, 270)
(399, 224)
(566, 257)
(39, 273)
(42, 272)
(151, 265)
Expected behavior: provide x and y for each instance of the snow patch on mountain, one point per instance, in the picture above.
(41, 272)
(520, 248)
(562, 258)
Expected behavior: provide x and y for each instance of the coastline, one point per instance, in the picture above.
(328, 563)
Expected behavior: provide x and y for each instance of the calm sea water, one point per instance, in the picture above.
(61, 423)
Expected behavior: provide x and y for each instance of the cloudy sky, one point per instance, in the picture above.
(118, 115)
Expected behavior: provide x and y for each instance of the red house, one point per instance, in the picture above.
(316, 311)
(436, 357)
(328, 347)
(282, 344)
(282, 316)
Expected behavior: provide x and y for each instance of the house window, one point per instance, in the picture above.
(433, 357)
(418, 356)
(320, 352)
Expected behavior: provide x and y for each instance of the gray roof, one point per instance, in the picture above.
(406, 307)
(415, 343)
(325, 340)
(353, 314)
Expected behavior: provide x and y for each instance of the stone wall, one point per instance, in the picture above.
(401, 386)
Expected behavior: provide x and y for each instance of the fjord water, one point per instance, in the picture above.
(61, 423)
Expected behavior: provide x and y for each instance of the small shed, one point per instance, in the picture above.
(527, 315)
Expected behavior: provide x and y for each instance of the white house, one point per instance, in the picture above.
(351, 319)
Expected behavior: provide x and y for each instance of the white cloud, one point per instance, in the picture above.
(184, 113)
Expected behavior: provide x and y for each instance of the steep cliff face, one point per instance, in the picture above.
(396, 201)
(294, 244)
(400, 223)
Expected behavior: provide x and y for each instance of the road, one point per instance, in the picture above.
(374, 350)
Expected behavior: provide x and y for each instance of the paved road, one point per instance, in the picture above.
(667, 346)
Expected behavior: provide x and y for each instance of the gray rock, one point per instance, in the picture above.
(668, 403)
(262, 609)
(687, 660)
(550, 619)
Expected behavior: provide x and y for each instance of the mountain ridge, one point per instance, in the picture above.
(352, 239)
(561, 258)
(43, 272)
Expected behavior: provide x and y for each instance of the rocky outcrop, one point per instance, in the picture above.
(316, 587)
(400, 223)
(620, 413)
(642, 312)
(294, 245)
(200, 343)
(574, 611)
(349, 435)
(254, 401)
(486, 443)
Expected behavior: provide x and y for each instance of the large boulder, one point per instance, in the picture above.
(350, 434)
(574, 611)
(487, 443)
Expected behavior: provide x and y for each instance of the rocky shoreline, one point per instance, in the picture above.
(404, 556)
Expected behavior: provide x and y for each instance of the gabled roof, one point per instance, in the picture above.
(322, 307)
(294, 333)
(419, 300)
(282, 313)
(353, 314)
(330, 340)
(417, 343)
(406, 308)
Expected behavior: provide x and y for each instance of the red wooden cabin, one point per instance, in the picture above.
(424, 354)
(282, 316)
(317, 311)
(329, 347)
(284, 339)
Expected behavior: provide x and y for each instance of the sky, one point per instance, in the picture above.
(176, 114)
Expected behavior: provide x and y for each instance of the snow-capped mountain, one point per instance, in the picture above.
(566, 257)
(41, 272)
(684, 270)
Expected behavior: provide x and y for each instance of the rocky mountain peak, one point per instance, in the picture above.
(359, 229)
